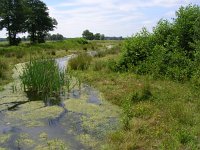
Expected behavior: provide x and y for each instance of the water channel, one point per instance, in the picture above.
(81, 120)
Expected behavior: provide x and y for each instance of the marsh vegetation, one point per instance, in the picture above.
(42, 77)
(150, 82)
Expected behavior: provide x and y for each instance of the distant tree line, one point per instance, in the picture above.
(55, 37)
(25, 16)
(91, 36)
(2, 39)
(114, 38)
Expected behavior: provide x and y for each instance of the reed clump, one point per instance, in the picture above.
(42, 77)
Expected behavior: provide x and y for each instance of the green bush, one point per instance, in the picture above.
(81, 62)
(113, 65)
(81, 41)
(136, 49)
(171, 51)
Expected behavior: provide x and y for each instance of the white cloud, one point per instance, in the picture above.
(111, 17)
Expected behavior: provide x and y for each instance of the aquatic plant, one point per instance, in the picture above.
(42, 77)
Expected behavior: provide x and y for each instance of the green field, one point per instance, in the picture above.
(157, 113)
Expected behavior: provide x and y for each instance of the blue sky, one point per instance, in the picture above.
(110, 17)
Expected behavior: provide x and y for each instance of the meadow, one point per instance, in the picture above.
(151, 77)
(158, 113)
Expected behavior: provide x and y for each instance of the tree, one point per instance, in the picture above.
(12, 18)
(162, 31)
(39, 22)
(88, 35)
(102, 37)
(97, 36)
(185, 27)
(55, 37)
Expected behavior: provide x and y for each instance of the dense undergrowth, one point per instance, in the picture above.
(170, 51)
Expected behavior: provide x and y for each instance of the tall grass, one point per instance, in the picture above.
(3, 68)
(81, 62)
(42, 77)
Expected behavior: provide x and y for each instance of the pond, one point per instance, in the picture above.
(81, 120)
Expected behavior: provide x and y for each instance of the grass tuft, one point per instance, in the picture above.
(81, 62)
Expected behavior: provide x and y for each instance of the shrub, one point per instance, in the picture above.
(136, 49)
(81, 41)
(170, 51)
(81, 62)
(112, 65)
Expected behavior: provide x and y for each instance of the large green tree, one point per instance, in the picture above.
(186, 27)
(12, 18)
(97, 36)
(39, 22)
(88, 35)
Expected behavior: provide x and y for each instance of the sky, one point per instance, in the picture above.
(110, 17)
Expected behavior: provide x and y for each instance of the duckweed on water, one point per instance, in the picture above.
(95, 119)
(88, 140)
(32, 113)
(4, 138)
(25, 141)
(55, 144)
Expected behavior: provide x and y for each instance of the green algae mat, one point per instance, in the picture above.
(82, 120)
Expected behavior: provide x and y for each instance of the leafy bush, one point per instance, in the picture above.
(112, 65)
(81, 62)
(170, 51)
(136, 49)
(82, 41)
